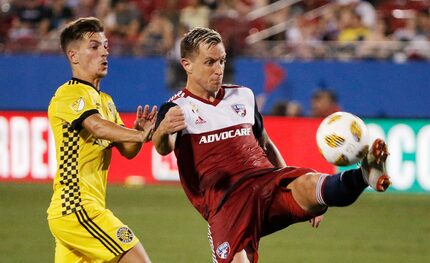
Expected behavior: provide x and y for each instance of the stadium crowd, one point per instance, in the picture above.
(310, 29)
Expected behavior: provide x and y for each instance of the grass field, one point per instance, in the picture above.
(379, 228)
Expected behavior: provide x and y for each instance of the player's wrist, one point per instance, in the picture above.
(142, 135)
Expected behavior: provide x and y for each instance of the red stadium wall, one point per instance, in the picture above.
(27, 150)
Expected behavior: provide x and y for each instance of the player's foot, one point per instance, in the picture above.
(374, 168)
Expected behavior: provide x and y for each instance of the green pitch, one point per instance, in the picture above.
(378, 228)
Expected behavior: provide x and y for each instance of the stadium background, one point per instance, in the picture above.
(391, 93)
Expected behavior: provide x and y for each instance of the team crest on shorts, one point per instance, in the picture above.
(239, 109)
(223, 250)
(124, 234)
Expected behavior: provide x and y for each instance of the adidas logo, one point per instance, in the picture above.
(199, 120)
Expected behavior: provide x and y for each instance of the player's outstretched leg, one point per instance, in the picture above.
(374, 168)
(344, 188)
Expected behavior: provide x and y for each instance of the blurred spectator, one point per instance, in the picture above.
(287, 108)
(29, 23)
(59, 14)
(378, 44)
(351, 27)
(279, 109)
(407, 32)
(423, 22)
(294, 109)
(315, 29)
(398, 11)
(195, 14)
(175, 77)
(123, 20)
(365, 10)
(323, 103)
(86, 8)
(157, 37)
(5, 23)
(231, 22)
(328, 24)
(303, 38)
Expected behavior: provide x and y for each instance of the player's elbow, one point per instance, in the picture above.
(163, 150)
(162, 143)
(129, 156)
(161, 147)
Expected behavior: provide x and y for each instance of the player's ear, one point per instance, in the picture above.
(72, 55)
(187, 65)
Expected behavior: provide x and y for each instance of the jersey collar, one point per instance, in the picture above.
(218, 98)
(86, 83)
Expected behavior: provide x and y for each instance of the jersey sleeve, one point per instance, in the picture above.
(162, 112)
(258, 126)
(75, 106)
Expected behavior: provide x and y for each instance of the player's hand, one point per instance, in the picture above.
(315, 222)
(145, 121)
(174, 121)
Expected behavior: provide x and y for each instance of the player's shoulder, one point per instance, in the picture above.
(74, 87)
(237, 89)
(178, 95)
(105, 95)
(233, 86)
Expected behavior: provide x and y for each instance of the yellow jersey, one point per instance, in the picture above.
(82, 159)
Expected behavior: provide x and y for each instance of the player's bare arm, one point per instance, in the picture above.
(145, 122)
(271, 150)
(165, 135)
(103, 129)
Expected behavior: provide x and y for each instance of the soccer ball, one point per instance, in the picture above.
(342, 139)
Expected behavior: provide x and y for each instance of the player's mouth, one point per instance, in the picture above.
(217, 81)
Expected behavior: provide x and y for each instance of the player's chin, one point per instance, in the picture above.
(102, 73)
(215, 85)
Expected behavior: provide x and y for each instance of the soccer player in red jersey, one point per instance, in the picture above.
(229, 168)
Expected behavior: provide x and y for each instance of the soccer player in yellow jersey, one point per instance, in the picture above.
(86, 125)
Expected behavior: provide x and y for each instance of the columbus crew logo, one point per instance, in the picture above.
(125, 235)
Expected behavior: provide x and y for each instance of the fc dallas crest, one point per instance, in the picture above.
(239, 109)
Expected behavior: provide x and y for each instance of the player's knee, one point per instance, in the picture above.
(306, 183)
(304, 189)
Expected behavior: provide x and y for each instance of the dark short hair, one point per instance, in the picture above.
(319, 93)
(196, 36)
(76, 30)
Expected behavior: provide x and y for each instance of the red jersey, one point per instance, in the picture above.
(219, 148)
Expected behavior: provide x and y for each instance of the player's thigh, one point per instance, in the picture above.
(64, 254)
(303, 190)
(235, 226)
(136, 254)
(103, 237)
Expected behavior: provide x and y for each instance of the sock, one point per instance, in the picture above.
(340, 189)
